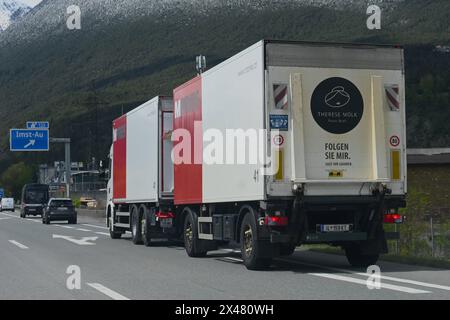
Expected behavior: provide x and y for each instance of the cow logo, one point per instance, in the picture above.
(337, 98)
(337, 105)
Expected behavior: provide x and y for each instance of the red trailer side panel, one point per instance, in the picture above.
(120, 158)
(188, 116)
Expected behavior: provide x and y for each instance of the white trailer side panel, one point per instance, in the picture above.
(142, 153)
(233, 99)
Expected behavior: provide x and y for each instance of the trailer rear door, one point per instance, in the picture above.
(342, 127)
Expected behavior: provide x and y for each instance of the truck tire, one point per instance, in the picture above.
(136, 225)
(357, 259)
(253, 251)
(146, 227)
(191, 241)
(112, 232)
(115, 234)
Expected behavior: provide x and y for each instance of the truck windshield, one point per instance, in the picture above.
(36, 196)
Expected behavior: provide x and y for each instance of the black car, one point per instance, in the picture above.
(58, 210)
(34, 199)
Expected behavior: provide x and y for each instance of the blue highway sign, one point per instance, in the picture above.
(29, 140)
(38, 125)
(2, 193)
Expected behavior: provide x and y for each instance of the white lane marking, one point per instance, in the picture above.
(5, 218)
(33, 220)
(234, 259)
(103, 233)
(85, 241)
(364, 282)
(67, 227)
(230, 250)
(106, 291)
(85, 230)
(413, 282)
(21, 246)
(94, 226)
(9, 215)
(417, 283)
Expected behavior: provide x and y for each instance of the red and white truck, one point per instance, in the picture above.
(283, 144)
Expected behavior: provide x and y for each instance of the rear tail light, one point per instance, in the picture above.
(393, 218)
(275, 221)
(164, 215)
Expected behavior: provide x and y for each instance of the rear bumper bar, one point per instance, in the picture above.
(330, 237)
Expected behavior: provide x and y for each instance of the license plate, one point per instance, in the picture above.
(166, 223)
(62, 208)
(335, 227)
(31, 209)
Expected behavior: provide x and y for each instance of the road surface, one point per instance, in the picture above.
(35, 259)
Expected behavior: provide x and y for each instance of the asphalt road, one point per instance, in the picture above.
(34, 259)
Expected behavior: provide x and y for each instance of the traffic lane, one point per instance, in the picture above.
(159, 273)
(34, 272)
(165, 272)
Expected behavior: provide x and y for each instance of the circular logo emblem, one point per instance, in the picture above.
(278, 140)
(337, 105)
(394, 141)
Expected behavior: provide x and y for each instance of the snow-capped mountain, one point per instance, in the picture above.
(50, 17)
(12, 10)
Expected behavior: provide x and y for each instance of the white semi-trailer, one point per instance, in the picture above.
(283, 144)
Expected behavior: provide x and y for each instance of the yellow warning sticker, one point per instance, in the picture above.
(395, 165)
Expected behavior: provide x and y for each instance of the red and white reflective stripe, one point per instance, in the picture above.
(393, 96)
(280, 94)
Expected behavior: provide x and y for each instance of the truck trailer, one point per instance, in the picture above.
(283, 144)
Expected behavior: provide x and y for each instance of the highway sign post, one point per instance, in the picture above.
(29, 140)
(38, 125)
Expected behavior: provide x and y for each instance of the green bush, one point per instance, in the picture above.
(76, 202)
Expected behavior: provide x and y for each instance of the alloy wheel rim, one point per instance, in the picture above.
(143, 229)
(188, 234)
(248, 240)
(134, 226)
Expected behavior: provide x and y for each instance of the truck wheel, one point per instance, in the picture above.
(146, 226)
(357, 259)
(113, 233)
(136, 226)
(191, 241)
(252, 250)
(72, 221)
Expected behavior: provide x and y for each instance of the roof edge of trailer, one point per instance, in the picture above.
(159, 97)
(187, 83)
(328, 43)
